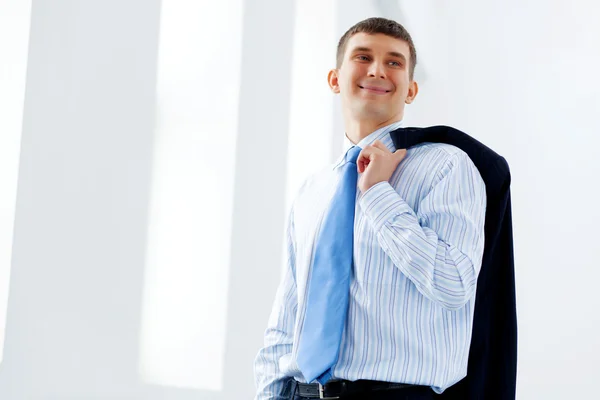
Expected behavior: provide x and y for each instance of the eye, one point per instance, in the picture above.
(363, 58)
(396, 63)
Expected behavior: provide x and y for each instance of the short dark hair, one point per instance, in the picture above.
(378, 25)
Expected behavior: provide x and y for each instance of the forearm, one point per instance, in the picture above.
(270, 381)
(278, 340)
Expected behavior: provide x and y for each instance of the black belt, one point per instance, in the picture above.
(336, 388)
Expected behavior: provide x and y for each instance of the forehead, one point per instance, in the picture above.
(378, 43)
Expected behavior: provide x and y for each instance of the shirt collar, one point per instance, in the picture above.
(381, 134)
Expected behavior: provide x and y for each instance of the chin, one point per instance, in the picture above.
(372, 111)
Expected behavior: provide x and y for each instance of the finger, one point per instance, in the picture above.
(379, 144)
(369, 151)
(362, 163)
(366, 155)
(401, 153)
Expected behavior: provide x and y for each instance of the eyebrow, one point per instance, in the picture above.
(368, 50)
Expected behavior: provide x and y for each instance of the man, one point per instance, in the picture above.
(377, 302)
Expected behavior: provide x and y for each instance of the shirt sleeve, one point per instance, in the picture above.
(439, 248)
(278, 340)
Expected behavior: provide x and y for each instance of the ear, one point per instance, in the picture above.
(413, 89)
(332, 79)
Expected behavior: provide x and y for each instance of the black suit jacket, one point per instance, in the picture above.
(492, 368)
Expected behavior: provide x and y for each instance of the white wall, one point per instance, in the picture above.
(520, 77)
(77, 286)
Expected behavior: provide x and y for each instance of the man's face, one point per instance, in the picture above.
(373, 79)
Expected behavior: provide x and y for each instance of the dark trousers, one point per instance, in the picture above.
(408, 393)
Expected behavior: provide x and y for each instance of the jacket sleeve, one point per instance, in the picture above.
(439, 248)
(269, 380)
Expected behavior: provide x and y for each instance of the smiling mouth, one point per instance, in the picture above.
(374, 90)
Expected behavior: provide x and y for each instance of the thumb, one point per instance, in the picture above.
(400, 153)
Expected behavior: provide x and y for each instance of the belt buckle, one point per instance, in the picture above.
(322, 394)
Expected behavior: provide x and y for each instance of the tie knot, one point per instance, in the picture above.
(352, 154)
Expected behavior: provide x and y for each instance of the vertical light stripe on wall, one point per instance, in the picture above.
(311, 112)
(15, 16)
(185, 296)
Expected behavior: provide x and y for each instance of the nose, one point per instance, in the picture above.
(376, 70)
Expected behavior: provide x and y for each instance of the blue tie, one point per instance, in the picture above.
(329, 285)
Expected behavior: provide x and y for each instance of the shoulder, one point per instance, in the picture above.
(449, 154)
(451, 158)
(440, 157)
(444, 149)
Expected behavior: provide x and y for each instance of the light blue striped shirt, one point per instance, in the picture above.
(418, 246)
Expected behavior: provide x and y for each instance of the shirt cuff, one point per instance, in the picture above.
(381, 203)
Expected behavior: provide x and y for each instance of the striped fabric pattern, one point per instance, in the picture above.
(418, 246)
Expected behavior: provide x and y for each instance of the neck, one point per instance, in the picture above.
(357, 130)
